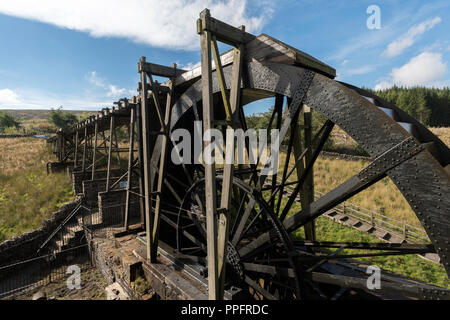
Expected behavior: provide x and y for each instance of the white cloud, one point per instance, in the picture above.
(112, 90)
(9, 98)
(426, 69)
(153, 22)
(37, 99)
(420, 70)
(383, 85)
(406, 40)
(115, 91)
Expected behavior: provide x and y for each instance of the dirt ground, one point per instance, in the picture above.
(92, 288)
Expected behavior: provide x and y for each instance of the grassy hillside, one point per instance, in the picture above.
(443, 134)
(38, 114)
(27, 194)
(409, 265)
(37, 121)
(382, 197)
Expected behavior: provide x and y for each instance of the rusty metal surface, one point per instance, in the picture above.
(421, 179)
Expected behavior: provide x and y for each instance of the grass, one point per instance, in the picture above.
(27, 194)
(408, 265)
(443, 134)
(383, 197)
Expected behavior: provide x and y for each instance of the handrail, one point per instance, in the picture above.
(408, 232)
(62, 224)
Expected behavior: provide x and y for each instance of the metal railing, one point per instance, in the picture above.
(60, 227)
(379, 220)
(399, 228)
(25, 275)
(108, 218)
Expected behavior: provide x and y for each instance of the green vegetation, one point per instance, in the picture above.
(261, 121)
(8, 122)
(27, 194)
(38, 121)
(427, 105)
(61, 118)
(408, 265)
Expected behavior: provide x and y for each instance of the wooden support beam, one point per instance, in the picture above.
(130, 167)
(227, 183)
(210, 179)
(307, 192)
(162, 166)
(146, 160)
(141, 162)
(94, 154)
(224, 32)
(75, 157)
(111, 134)
(83, 163)
(160, 70)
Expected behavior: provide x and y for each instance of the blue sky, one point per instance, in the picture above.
(83, 54)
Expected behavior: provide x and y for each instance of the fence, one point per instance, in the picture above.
(110, 218)
(26, 275)
(402, 229)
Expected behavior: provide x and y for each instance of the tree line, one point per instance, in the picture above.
(59, 118)
(430, 106)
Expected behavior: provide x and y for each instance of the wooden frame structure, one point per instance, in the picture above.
(257, 67)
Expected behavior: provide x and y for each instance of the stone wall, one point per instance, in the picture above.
(115, 261)
(26, 245)
(79, 176)
(54, 167)
(91, 188)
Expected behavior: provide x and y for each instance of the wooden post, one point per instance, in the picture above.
(210, 179)
(83, 164)
(308, 186)
(227, 184)
(94, 154)
(76, 151)
(130, 167)
(63, 150)
(111, 134)
(162, 166)
(146, 158)
(141, 163)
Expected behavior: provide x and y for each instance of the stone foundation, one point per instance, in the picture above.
(79, 176)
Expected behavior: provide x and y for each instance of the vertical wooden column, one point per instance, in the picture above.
(111, 134)
(94, 153)
(146, 158)
(83, 163)
(162, 164)
(140, 160)
(59, 146)
(63, 149)
(227, 184)
(75, 157)
(130, 166)
(307, 193)
(210, 179)
(279, 110)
